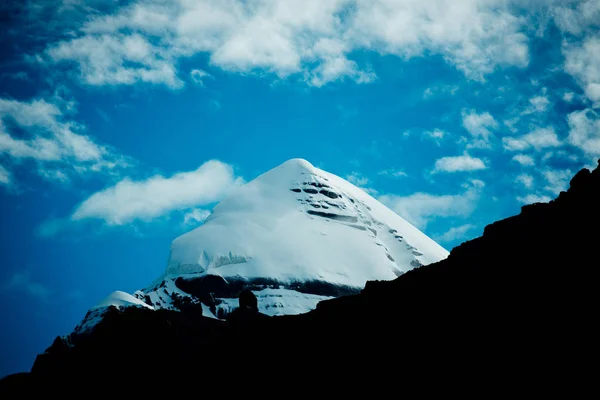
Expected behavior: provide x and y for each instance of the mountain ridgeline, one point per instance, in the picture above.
(520, 295)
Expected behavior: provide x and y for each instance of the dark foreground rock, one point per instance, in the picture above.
(521, 300)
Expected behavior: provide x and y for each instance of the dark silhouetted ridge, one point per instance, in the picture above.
(522, 297)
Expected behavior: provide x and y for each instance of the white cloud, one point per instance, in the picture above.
(444, 89)
(584, 131)
(54, 175)
(459, 163)
(5, 176)
(581, 43)
(568, 97)
(539, 103)
(54, 143)
(455, 233)
(395, 173)
(436, 135)
(144, 40)
(116, 59)
(558, 180)
(479, 126)
(420, 208)
(195, 216)
(525, 180)
(576, 20)
(524, 160)
(198, 76)
(534, 198)
(156, 196)
(339, 67)
(357, 179)
(361, 181)
(21, 281)
(582, 60)
(539, 139)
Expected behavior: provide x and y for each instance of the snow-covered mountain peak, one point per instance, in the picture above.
(297, 222)
(295, 235)
(295, 227)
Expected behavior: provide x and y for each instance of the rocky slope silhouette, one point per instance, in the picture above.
(520, 298)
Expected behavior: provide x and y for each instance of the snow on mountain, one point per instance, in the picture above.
(295, 235)
(298, 229)
(121, 299)
(116, 299)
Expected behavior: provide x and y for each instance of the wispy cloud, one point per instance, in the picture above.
(22, 282)
(558, 180)
(57, 145)
(5, 176)
(537, 104)
(420, 208)
(534, 198)
(394, 173)
(439, 90)
(437, 135)
(156, 196)
(480, 126)
(455, 233)
(361, 181)
(525, 180)
(199, 75)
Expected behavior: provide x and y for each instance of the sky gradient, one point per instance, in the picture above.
(122, 123)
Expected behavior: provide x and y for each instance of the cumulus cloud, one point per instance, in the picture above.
(54, 143)
(420, 208)
(156, 196)
(538, 139)
(584, 131)
(144, 40)
(455, 233)
(458, 164)
(524, 160)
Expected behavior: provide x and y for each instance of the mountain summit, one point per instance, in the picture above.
(295, 235)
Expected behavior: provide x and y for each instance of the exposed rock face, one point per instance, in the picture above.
(521, 297)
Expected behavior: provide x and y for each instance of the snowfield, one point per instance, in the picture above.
(297, 222)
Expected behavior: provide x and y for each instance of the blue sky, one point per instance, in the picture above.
(124, 122)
